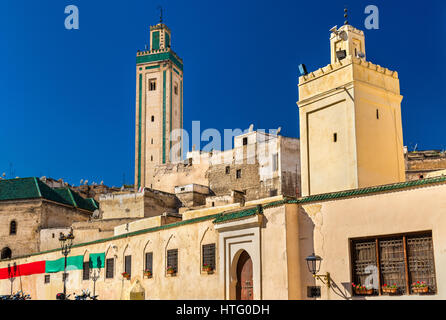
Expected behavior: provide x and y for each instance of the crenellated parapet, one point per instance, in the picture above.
(332, 67)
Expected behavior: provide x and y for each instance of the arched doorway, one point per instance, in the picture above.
(6, 253)
(244, 287)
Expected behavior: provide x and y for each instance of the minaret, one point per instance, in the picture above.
(350, 120)
(159, 105)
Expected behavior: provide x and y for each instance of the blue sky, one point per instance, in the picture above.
(67, 98)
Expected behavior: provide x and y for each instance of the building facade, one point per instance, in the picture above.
(208, 234)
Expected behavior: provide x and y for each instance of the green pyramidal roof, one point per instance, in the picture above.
(33, 188)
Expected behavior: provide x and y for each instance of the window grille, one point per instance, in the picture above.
(13, 228)
(109, 268)
(86, 271)
(392, 263)
(421, 261)
(152, 85)
(172, 259)
(149, 261)
(364, 261)
(400, 260)
(128, 265)
(209, 255)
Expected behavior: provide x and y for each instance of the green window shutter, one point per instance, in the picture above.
(155, 40)
(167, 40)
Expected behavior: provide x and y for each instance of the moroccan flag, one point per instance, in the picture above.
(73, 263)
(22, 270)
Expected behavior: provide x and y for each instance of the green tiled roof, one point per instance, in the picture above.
(76, 200)
(33, 188)
(239, 214)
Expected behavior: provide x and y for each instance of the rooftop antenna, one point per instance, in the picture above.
(161, 13)
(345, 16)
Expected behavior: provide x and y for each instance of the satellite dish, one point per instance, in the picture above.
(343, 35)
(96, 214)
(278, 130)
(303, 70)
(334, 29)
(361, 55)
(251, 128)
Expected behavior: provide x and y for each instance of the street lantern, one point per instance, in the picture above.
(66, 242)
(314, 266)
(313, 263)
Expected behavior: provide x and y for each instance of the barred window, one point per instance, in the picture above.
(128, 265)
(86, 271)
(401, 261)
(13, 228)
(152, 84)
(421, 265)
(47, 278)
(209, 255)
(172, 259)
(149, 261)
(109, 268)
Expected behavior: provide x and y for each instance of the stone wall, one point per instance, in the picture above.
(31, 217)
(421, 163)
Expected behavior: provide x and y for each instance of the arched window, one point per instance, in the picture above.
(6, 253)
(13, 228)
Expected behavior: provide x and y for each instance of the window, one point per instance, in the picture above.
(6, 253)
(377, 114)
(128, 265)
(149, 261)
(228, 170)
(400, 260)
(13, 228)
(335, 137)
(109, 268)
(239, 173)
(209, 255)
(172, 259)
(275, 161)
(151, 141)
(153, 118)
(86, 271)
(47, 278)
(245, 141)
(152, 84)
(175, 89)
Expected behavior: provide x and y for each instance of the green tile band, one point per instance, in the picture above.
(164, 116)
(157, 57)
(139, 131)
(170, 132)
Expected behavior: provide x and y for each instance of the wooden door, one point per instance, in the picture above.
(244, 278)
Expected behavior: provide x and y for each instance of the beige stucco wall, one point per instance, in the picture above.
(337, 221)
(190, 282)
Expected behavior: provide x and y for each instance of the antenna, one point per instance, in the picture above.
(345, 16)
(161, 13)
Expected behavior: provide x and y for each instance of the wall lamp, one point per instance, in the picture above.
(314, 265)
